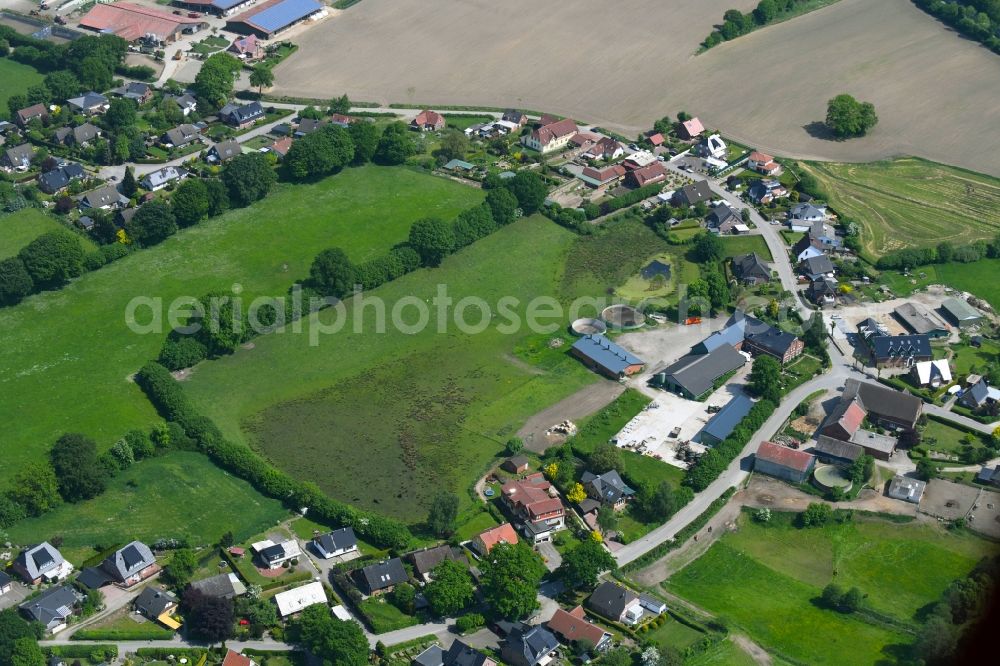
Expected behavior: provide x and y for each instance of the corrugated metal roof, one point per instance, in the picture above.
(605, 353)
(723, 423)
(784, 456)
(274, 17)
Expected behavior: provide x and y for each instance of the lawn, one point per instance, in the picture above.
(121, 626)
(20, 228)
(791, 237)
(800, 371)
(384, 616)
(736, 245)
(463, 121)
(17, 78)
(179, 494)
(68, 355)
(673, 634)
(977, 278)
(911, 202)
(967, 359)
(479, 522)
(778, 611)
(723, 653)
(385, 421)
(945, 438)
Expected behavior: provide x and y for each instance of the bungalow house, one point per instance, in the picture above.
(783, 462)
(41, 563)
(960, 312)
(656, 139)
(919, 321)
(723, 422)
(802, 216)
(765, 191)
(484, 542)
(693, 193)
(336, 543)
(516, 464)
(750, 269)
(299, 598)
(225, 151)
(822, 291)
(233, 658)
(224, 586)
(273, 555)
(550, 137)
(722, 219)
(690, 129)
(763, 163)
(186, 102)
(6, 583)
(340, 120)
(712, 146)
(181, 135)
(608, 488)
(602, 355)
(82, 135)
(138, 92)
(459, 654)
(53, 181)
(130, 565)
(515, 116)
(308, 126)
(424, 561)
(572, 626)
(18, 158)
(527, 645)
(36, 111)
(247, 48)
(906, 489)
(90, 103)
(606, 148)
(534, 502)
(817, 267)
(281, 146)
(241, 116)
(383, 577)
(837, 452)
(52, 608)
(616, 603)
(652, 604)
(428, 121)
(157, 605)
(979, 395)
(650, 174)
(932, 373)
(602, 177)
(899, 350)
(157, 180)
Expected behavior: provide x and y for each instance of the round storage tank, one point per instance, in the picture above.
(588, 326)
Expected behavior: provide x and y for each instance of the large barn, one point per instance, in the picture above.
(274, 16)
(132, 22)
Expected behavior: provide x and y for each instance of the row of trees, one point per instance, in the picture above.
(944, 253)
(978, 19)
(710, 465)
(736, 23)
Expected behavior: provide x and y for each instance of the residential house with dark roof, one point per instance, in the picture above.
(979, 396)
(130, 565)
(241, 116)
(52, 608)
(723, 422)
(989, 475)
(693, 193)
(765, 190)
(17, 158)
(224, 585)
(137, 91)
(383, 577)
(486, 540)
(750, 269)
(899, 350)
(527, 645)
(572, 626)
(90, 103)
(459, 654)
(615, 603)
(608, 488)
(181, 135)
(185, 101)
(6, 583)
(225, 151)
(773, 342)
(783, 462)
(425, 560)
(550, 137)
(514, 116)
(885, 406)
(81, 135)
(336, 543)
(106, 197)
(602, 355)
(722, 219)
(274, 555)
(919, 321)
(535, 503)
(307, 126)
(802, 216)
(53, 181)
(817, 267)
(41, 563)
(804, 249)
(153, 602)
(34, 112)
(822, 291)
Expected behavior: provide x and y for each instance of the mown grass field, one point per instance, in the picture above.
(723, 653)
(736, 245)
(765, 579)
(911, 202)
(386, 420)
(68, 355)
(178, 494)
(978, 277)
(17, 78)
(20, 228)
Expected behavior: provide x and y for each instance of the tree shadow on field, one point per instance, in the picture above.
(818, 129)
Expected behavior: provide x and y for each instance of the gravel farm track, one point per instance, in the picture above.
(624, 64)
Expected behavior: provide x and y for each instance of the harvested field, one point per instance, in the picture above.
(888, 52)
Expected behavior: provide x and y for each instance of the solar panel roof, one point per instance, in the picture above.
(282, 14)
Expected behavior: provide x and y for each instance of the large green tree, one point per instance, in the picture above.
(583, 564)
(261, 76)
(765, 378)
(27, 652)
(62, 84)
(153, 223)
(330, 639)
(190, 202)
(847, 117)
(214, 81)
(450, 589)
(35, 488)
(443, 513)
(503, 205)
(530, 190)
(12, 629)
(707, 247)
(395, 145)
(77, 467)
(433, 239)
(320, 153)
(53, 258)
(120, 114)
(365, 136)
(15, 281)
(511, 574)
(249, 178)
(332, 273)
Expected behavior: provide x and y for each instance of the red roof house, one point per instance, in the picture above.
(845, 420)
(647, 175)
(656, 139)
(237, 659)
(691, 128)
(783, 462)
(599, 177)
(573, 625)
(428, 121)
(552, 136)
(484, 542)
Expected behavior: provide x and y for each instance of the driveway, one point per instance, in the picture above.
(16, 595)
(551, 556)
